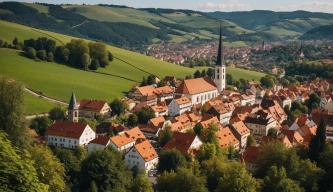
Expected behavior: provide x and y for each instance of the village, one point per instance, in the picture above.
(187, 108)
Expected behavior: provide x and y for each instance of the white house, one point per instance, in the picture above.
(179, 106)
(248, 99)
(241, 132)
(127, 139)
(260, 123)
(99, 143)
(69, 134)
(143, 156)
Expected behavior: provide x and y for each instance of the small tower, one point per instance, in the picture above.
(73, 110)
(263, 46)
(220, 68)
(300, 52)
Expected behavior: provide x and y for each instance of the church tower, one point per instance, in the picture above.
(73, 110)
(220, 68)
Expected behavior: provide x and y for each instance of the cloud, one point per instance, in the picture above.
(314, 6)
(230, 5)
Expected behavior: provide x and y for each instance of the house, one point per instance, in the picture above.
(127, 139)
(179, 106)
(210, 120)
(198, 91)
(247, 99)
(163, 93)
(93, 108)
(294, 137)
(186, 143)
(318, 114)
(143, 156)
(69, 134)
(99, 143)
(145, 94)
(260, 123)
(306, 127)
(160, 109)
(257, 90)
(153, 127)
(250, 157)
(181, 123)
(105, 128)
(227, 139)
(222, 111)
(281, 138)
(241, 132)
(274, 108)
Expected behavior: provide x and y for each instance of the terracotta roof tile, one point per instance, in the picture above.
(66, 129)
(101, 140)
(129, 136)
(240, 127)
(91, 105)
(146, 150)
(181, 142)
(195, 86)
(226, 138)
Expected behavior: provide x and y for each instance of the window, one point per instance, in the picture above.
(218, 76)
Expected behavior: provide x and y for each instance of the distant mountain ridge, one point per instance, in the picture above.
(137, 28)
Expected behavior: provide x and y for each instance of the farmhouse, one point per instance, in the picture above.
(92, 108)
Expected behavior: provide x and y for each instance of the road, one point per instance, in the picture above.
(36, 94)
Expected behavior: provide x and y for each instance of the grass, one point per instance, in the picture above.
(36, 105)
(58, 81)
(238, 73)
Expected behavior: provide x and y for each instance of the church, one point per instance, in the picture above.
(201, 90)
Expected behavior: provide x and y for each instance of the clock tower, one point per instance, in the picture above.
(220, 68)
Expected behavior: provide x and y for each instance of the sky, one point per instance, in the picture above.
(214, 5)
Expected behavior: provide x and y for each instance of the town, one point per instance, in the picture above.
(188, 108)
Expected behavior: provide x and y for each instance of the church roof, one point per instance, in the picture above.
(72, 103)
(220, 55)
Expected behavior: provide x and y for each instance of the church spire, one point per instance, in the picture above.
(72, 103)
(220, 55)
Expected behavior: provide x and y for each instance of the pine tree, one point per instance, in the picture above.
(318, 142)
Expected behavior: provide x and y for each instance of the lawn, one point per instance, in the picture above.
(36, 105)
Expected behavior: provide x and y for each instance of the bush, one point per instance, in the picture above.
(50, 57)
(41, 54)
(94, 64)
(31, 53)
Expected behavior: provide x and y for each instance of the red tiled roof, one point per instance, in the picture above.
(91, 105)
(66, 129)
(101, 140)
(181, 142)
(146, 150)
(127, 137)
(226, 138)
(195, 86)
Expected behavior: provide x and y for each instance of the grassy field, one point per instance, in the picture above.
(35, 105)
(58, 81)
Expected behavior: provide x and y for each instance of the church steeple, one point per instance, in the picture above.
(220, 55)
(73, 109)
(220, 68)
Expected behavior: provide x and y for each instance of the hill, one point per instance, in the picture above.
(58, 81)
(322, 32)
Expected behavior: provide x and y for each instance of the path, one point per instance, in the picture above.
(84, 22)
(36, 94)
(29, 117)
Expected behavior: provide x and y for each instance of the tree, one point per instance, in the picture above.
(235, 178)
(198, 129)
(141, 183)
(107, 169)
(207, 151)
(30, 53)
(17, 171)
(93, 187)
(210, 72)
(144, 81)
(318, 142)
(203, 73)
(277, 181)
(49, 169)
(251, 141)
(170, 160)
(86, 61)
(151, 80)
(41, 54)
(181, 181)
(57, 113)
(15, 41)
(208, 134)
(118, 107)
(272, 132)
(267, 81)
(165, 136)
(50, 57)
(94, 64)
(132, 120)
(99, 52)
(313, 101)
(40, 124)
(77, 48)
(11, 112)
(145, 114)
(62, 54)
(110, 56)
(197, 74)
(326, 163)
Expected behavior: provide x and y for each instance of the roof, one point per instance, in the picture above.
(163, 90)
(160, 107)
(91, 105)
(207, 122)
(66, 129)
(101, 140)
(195, 86)
(146, 90)
(129, 136)
(72, 103)
(240, 127)
(157, 121)
(226, 138)
(182, 100)
(180, 141)
(146, 150)
(220, 55)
